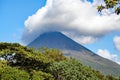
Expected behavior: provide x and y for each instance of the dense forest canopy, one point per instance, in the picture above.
(21, 63)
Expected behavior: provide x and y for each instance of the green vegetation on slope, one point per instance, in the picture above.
(21, 63)
(103, 65)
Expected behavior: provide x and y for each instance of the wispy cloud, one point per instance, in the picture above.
(76, 17)
(106, 54)
(82, 39)
(116, 41)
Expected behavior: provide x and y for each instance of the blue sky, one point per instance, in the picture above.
(105, 42)
(14, 13)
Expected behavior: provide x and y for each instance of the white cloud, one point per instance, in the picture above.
(81, 38)
(116, 41)
(70, 16)
(85, 39)
(106, 54)
(98, 2)
(118, 63)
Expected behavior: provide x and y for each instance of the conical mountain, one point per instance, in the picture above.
(71, 48)
(56, 40)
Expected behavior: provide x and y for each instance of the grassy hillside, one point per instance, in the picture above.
(21, 63)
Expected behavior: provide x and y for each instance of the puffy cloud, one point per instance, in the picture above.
(106, 54)
(116, 41)
(76, 17)
(85, 39)
(81, 38)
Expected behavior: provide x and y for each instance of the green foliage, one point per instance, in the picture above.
(73, 70)
(9, 73)
(27, 61)
(110, 77)
(55, 56)
(21, 63)
(39, 75)
(110, 4)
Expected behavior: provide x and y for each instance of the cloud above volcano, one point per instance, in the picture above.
(78, 19)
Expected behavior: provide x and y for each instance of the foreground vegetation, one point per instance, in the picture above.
(21, 63)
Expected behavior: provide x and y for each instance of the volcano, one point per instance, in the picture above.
(56, 40)
(71, 48)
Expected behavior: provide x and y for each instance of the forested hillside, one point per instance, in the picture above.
(21, 63)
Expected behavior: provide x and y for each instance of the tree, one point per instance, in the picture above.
(73, 70)
(21, 63)
(110, 4)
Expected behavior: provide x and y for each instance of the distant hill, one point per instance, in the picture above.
(71, 48)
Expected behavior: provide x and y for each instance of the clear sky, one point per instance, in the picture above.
(14, 13)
